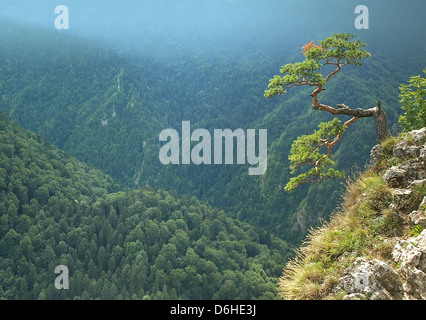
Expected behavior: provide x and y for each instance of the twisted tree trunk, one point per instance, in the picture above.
(381, 125)
(341, 109)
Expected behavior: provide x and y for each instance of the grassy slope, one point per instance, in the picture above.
(364, 226)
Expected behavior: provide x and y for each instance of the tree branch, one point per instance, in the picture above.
(342, 109)
(329, 145)
(339, 66)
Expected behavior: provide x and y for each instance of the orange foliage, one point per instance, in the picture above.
(309, 46)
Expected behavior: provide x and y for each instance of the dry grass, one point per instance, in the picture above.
(360, 227)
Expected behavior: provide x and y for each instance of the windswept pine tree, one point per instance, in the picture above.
(329, 57)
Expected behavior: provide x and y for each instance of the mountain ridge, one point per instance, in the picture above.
(108, 109)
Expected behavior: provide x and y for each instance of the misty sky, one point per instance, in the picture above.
(261, 25)
(136, 24)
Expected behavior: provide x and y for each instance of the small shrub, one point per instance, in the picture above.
(378, 194)
(415, 231)
(388, 145)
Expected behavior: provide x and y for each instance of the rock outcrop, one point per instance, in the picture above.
(404, 276)
(371, 279)
(411, 257)
(378, 280)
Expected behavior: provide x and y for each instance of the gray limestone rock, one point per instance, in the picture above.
(410, 254)
(374, 279)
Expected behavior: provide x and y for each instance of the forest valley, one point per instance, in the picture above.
(90, 178)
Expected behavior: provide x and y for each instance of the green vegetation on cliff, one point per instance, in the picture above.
(383, 204)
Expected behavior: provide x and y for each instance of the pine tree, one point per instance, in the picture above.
(332, 53)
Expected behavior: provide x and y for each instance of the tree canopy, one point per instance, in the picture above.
(329, 57)
(413, 101)
(145, 244)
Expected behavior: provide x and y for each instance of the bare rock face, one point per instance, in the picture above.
(373, 280)
(375, 155)
(378, 280)
(410, 254)
(395, 176)
(413, 154)
(404, 276)
(418, 217)
(419, 135)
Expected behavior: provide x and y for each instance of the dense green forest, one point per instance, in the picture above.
(83, 185)
(146, 244)
(108, 109)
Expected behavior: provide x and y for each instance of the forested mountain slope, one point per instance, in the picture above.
(130, 227)
(82, 99)
(108, 107)
(145, 244)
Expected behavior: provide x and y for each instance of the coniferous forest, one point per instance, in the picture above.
(82, 108)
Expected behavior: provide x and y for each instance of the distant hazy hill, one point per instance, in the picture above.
(108, 109)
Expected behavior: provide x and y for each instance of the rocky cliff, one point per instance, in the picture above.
(404, 276)
(374, 247)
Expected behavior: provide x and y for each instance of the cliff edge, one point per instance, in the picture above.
(374, 246)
